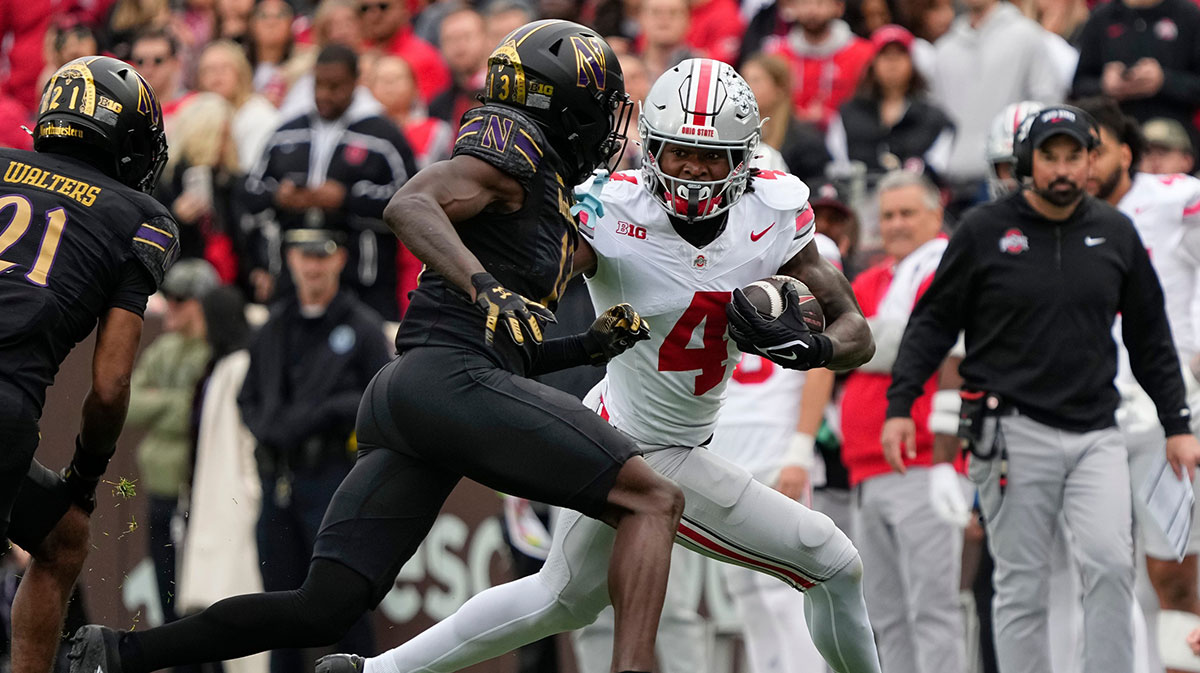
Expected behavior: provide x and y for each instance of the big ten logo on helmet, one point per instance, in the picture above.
(589, 61)
(631, 230)
(496, 133)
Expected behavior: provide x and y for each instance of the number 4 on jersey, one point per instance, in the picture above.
(675, 354)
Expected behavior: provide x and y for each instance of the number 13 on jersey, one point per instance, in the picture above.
(711, 358)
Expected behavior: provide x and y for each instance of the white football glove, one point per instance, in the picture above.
(946, 495)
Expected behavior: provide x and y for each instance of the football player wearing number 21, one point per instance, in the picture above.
(677, 240)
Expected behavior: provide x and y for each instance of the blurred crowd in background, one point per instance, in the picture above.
(288, 116)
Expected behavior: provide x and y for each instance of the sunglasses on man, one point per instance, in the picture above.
(365, 7)
(150, 60)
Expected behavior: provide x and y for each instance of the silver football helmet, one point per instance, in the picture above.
(705, 104)
(1000, 142)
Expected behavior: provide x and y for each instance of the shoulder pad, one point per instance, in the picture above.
(779, 190)
(156, 245)
(503, 138)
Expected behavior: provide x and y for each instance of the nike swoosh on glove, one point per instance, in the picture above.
(785, 340)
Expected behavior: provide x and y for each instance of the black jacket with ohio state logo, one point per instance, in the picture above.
(369, 156)
(1036, 299)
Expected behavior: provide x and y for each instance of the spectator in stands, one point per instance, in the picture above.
(155, 54)
(503, 17)
(219, 558)
(800, 144)
(336, 22)
(867, 16)
(826, 58)
(637, 85)
(130, 17)
(393, 85)
(992, 56)
(335, 168)
(911, 547)
(65, 43)
(567, 10)
(224, 70)
(889, 124)
(834, 218)
(662, 42)
(464, 47)
(233, 19)
(1144, 54)
(385, 23)
(270, 45)
(23, 28)
(715, 29)
(309, 365)
(160, 402)
(931, 19)
(1168, 148)
(200, 181)
(1064, 18)
(192, 24)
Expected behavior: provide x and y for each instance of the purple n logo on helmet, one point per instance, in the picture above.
(589, 61)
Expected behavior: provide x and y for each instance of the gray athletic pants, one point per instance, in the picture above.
(912, 568)
(1085, 476)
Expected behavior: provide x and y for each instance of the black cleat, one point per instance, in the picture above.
(94, 650)
(339, 663)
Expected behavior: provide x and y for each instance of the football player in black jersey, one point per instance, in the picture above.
(494, 226)
(81, 244)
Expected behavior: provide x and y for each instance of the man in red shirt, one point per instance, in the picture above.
(155, 54)
(716, 29)
(385, 23)
(827, 59)
(910, 542)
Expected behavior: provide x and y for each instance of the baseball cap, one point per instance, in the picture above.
(828, 194)
(889, 34)
(1167, 133)
(323, 242)
(189, 279)
(1061, 120)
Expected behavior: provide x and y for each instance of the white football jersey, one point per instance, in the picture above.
(1165, 209)
(668, 390)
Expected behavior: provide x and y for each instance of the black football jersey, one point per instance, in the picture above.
(73, 244)
(528, 251)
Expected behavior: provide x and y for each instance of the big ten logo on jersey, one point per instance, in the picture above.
(496, 133)
(631, 230)
(452, 564)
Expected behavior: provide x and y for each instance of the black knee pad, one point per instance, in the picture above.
(41, 502)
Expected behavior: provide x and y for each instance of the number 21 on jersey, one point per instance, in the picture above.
(710, 358)
(20, 213)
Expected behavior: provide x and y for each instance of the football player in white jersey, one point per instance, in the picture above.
(678, 239)
(1165, 209)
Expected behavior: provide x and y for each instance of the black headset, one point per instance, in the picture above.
(1023, 146)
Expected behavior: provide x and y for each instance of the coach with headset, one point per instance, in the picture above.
(1035, 280)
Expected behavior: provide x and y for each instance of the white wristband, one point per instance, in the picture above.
(800, 451)
(943, 414)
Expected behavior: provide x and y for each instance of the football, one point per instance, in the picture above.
(767, 296)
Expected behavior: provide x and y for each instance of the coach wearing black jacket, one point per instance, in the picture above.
(335, 168)
(1035, 281)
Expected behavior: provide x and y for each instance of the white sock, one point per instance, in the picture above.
(491, 623)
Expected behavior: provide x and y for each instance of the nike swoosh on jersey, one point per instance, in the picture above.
(1092, 242)
(754, 237)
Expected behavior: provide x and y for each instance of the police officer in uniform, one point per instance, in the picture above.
(309, 365)
(1035, 280)
(494, 227)
(81, 244)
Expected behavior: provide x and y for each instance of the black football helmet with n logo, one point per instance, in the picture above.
(566, 78)
(101, 110)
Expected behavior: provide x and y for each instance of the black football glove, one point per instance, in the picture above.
(519, 314)
(787, 341)
(80, 487)
(614, 332)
